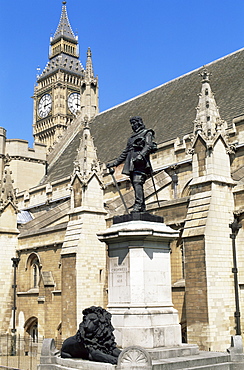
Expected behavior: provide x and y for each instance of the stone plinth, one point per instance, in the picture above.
(140, 298)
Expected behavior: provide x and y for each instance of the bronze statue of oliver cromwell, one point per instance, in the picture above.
(136, 160)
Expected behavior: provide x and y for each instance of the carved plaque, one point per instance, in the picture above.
(119, 272)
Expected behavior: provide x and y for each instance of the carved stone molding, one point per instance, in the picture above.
(134, 357)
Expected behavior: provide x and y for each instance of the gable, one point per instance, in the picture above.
(8, 217)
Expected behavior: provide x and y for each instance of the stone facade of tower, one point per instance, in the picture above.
(64, 88)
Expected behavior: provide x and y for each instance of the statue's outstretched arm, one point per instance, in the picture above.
(120, 159)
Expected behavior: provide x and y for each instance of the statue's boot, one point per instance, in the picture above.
(139, 205)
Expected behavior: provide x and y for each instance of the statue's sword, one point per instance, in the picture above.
(154, 185)
(111, 171)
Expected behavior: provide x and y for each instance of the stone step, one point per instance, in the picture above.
(200, 361)
(176, 351)
(223, 366)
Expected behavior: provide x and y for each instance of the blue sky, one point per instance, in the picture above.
(136, 44)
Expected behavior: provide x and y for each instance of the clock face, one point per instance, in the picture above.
(45, 105)
(74, 102)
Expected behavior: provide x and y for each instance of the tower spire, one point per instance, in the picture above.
(210, 144)
(64, 28)
(64, 41)
(208, 119)
(89, 66)
(89, 99)
(86, 158)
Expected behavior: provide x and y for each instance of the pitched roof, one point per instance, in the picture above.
(168, 109)
(45, 220)
(64, 164)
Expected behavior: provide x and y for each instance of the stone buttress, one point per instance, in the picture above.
(83, 255)
(8, 246)
(208, 265)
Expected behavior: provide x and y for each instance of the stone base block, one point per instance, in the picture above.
(137, 216)
(148, 337)
(73, 364)
(236, 348)
(50, 360)
(149, 328)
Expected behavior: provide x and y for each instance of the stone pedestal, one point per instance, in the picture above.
(140, 299)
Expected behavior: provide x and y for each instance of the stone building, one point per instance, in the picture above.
(56, 197)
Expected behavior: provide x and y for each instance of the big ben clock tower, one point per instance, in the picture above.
(64, 88)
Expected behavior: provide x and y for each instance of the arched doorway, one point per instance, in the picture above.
(31, 328)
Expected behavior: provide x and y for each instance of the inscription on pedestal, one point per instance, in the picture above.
(119, 272)
(118, 280)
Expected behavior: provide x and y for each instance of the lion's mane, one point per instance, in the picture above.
(103, 339)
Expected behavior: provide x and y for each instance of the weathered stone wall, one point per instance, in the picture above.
(68, 302)
(31, 162)
(42, 301)
(8, 245)
(86, 277)
(221, 299)
(196, 291)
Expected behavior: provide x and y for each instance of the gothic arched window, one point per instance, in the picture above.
(35, 273)
(33, 267)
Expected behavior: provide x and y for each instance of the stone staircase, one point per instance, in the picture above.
(203, 360)
(189, 357)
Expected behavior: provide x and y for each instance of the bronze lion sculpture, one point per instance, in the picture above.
(94, 340)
